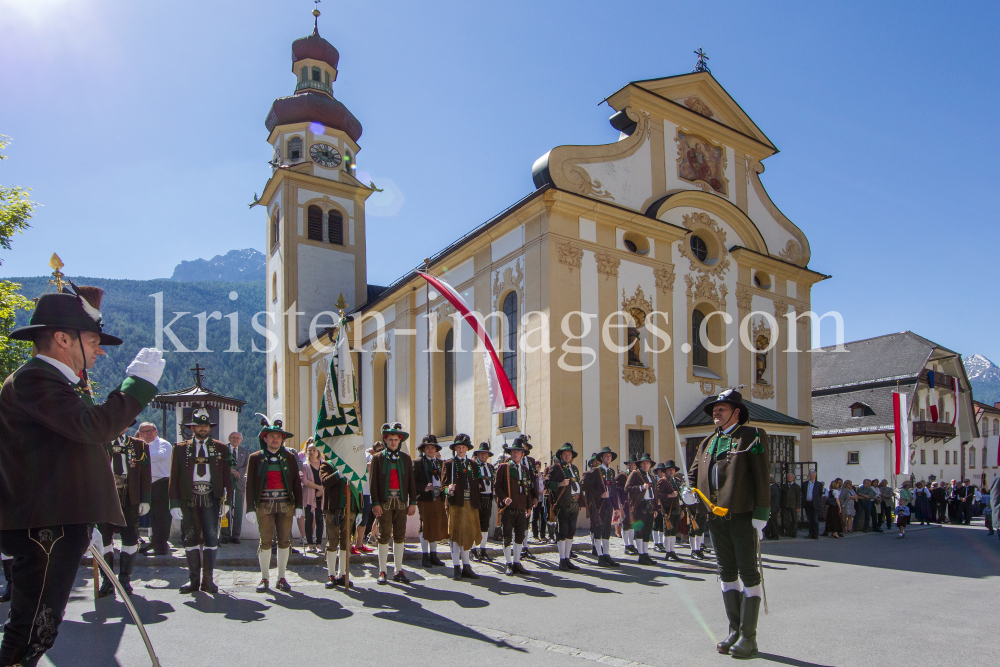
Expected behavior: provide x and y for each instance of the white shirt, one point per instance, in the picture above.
(160, 452)
(71, 377)
(487, 478)
(201, 450)
(365, 490)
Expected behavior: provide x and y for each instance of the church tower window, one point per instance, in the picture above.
(294, 149)
(315, 223)
(275, 231)
(509, 353)
(316, 75)
(698, 348)
(699, 248)
(335, 227)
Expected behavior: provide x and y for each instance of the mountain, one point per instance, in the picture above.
(235, 266)
(129, 310)
(984, 376)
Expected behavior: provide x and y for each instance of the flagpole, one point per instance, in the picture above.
(347, 491)
(427, 329)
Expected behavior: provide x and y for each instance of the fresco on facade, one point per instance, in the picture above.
(699, 160)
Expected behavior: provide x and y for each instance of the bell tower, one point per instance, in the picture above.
(315, 225)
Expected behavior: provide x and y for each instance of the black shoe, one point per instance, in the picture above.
(746, 645)
(425, 560)
(631, 550)
(644, 559)
(519, 569)
(458, 573)
(283, 586)
(194, 569)
(572, 554)
(400, 578)
(485, 554)
(381, 581)
(611, 562)
(107, 588)
(234, 540)
(571, 565)
(699, 554)
(593, 552)
(732, 600)
(338, 581)
(509, 571)
(435, 561)
(207, 568)
(224, 540)
(604, 561)
(671, 555)
(331, 582)
(564, 564)
(126, 561)
(467, 572)
(527, 555)
(263, 586)
(660, 548)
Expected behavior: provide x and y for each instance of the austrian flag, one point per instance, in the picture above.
(901, 421)
(502, 396)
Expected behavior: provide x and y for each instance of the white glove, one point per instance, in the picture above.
(689, 498)
(299, 513)
(143, 509)
(252, 518)
(148, 365)
(759, 524)
(176, 513)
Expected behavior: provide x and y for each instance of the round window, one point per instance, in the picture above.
(636, 243)
(762, 280)
(699, 248)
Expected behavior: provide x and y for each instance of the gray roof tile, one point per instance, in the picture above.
(885, 358)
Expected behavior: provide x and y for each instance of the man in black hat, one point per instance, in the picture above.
(602, 504)
(533, 468)
(564, 485)
(487, 477)
(430, 500)
(731, 469)
(200, 482)
(133, 479)
(394, 497)
(516, 495)
(628, 534)
(641, 490)
(47, 415)
(668, 488)
(462, 482)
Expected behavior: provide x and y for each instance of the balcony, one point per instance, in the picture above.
(314, 85)
(936, 431)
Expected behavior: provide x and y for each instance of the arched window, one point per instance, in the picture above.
(510, 352)
(996, 427)
(972, 457)
(985, 458)
(275, 230)
(294, 151)
(274, 378)
(449, 382)
(316, 75)
(698, 349)
(335, 227)
(305, 73)
(315, 224)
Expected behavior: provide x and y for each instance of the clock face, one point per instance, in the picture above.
(324, 155)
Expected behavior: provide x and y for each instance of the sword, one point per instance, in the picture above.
(682, 452)
(99, 560)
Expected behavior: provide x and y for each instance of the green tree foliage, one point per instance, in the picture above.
(129, 312)
(15, 211)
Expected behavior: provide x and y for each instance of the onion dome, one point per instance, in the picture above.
(315, 47)
(310, 106)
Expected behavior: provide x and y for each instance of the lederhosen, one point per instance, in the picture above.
(601, 509)
(643, 507)
(566, 498)
(513, 520)
(670, 508)
(487, 479)
(626, 506)
(202, 512)
(126, 463)
(430, 504)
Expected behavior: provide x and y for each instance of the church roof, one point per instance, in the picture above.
(311, 106)
(881, 359)
(315, 47)
(758, 414)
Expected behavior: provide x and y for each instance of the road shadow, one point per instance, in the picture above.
(231, 608)
(463, 600)
(782, 660)
(324, 608)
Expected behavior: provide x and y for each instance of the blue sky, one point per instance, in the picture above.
(140, 127)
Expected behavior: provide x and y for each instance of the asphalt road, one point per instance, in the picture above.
(863, 600)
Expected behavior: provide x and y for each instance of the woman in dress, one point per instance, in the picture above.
(834, 511)
(847, 498)
(312, 498)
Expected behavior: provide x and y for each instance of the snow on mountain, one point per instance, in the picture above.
(984, 376)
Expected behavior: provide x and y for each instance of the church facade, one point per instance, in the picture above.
(621, 280)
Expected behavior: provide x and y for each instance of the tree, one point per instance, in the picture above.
(15, 211)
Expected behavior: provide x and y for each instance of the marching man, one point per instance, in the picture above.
(731, 469)
(564, 485)
(641, 490)
(394, 497)
(462, 481)
(133, 479)
(516, 495)
(200, 481)
(336, 495)
(487, 475)
(602, 503)
(628, 534)
(274, 499)
(430, 500)
(668, 495)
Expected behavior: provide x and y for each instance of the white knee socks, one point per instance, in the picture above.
(482, 543)
(506, 555)
(283, 555)
(397, 557)
(640, 546)
(732, 586)
(517, 553)
(343, 562)
(671, 542)
(628, 537)
(433, 546)
(598, 546)
(456, 553)
(605, 547)
(264, 557)
(331, 562)
(383, 556)
(465, 558)
(753, 591)
(424, 545)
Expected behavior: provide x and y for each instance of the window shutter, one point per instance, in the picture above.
(335, 228)
(315, 231)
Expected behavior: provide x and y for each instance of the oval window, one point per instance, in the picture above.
(699, 248)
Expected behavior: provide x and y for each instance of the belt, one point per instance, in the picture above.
(120, 481)
(202, 488)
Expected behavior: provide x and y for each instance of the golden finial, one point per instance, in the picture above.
(315, 13)
(341, 305)
(57, 276)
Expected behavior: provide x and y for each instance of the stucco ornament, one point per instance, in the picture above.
(570, 256)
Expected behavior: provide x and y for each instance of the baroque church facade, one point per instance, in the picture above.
(669, 227)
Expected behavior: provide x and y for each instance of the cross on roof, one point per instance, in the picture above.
(197, 373)
(701, 65)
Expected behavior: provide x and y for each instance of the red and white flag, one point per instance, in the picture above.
(932, 396)
(902, 427)
(502, 396)
(954, 390)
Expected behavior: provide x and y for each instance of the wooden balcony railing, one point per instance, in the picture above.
(933, 431)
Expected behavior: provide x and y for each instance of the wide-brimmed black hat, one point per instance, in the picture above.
(517, 445)
(484, 447)
(429, 440)
(607, 450)
(669, 463)
(64, 310)
(659, 466)
(461, 439)
(645, 457)
(200, 417)
(267, 426)
(395, 428)
(592, 460)
(524, 441)
(734, 398)
(633, 460)
(566, 448)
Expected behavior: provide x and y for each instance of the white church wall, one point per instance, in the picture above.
(507, 243)
(588, 229)
(459, 274)
(775, 236)
(830, 455)
(591, 380)
(305, 424)
(628, 179)
(323, 273)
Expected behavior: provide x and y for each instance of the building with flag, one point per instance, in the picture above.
(984, 452)
(854, 433)
(669, 227)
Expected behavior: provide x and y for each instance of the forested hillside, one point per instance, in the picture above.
(130, 313)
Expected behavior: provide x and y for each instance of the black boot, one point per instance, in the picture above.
(467, 572)
(107, 588)
(5, 596)
(571, 565)
(125, 563)
(610, 562)
(746, 645)
(564, 564)
(731, 600)
(207, 567)
(458, 573)
(425, 560)
(435, 560)
(485, 555)
(194, 569)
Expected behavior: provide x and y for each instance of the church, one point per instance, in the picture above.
(620, 281)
